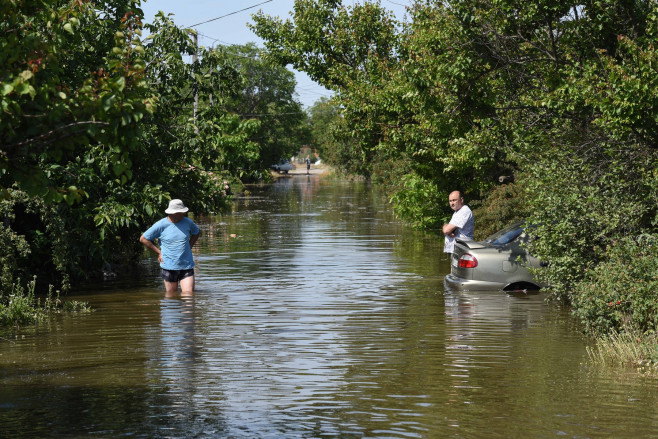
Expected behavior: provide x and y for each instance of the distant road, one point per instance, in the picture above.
(300, 169)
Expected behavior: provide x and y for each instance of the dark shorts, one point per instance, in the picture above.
(176, 275)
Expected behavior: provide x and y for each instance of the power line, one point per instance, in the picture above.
(300, 91)
(232, 13)
(216, 40)
(399, 4)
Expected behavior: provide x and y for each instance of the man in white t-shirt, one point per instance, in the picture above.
(461, 224)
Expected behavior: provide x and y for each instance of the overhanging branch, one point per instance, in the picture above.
(43, 137)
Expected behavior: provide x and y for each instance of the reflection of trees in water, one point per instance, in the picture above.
(257, 236)
(184, 400)
(499, 341)
(178, 337)
(174, 360)
(215, 238)
(329, 323)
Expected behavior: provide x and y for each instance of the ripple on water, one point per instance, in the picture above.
(316, 315)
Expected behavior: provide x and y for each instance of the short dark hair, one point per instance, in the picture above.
(461, 194)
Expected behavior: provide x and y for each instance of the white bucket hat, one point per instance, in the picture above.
(176, 206)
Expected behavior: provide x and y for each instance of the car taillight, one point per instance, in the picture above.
(467, 261)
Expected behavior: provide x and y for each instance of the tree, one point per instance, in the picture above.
(73, 92)
(343, 49)
(414, 98)
(325, 122)
(267, 95)
(561, 94)
(94, 116)
(72, 77)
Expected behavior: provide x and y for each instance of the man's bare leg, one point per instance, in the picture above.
(187, 286)
(172, 289)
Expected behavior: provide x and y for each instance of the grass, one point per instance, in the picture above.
(22, 307)
(629, 348)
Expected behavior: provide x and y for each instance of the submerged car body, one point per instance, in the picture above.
(500, 262)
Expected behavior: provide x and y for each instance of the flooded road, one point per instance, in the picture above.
(316, 314)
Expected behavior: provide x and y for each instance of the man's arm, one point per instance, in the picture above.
(457, 221)
(193, 239)
(151, 246)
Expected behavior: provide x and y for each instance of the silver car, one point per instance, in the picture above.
(498, 263)
(282, 167)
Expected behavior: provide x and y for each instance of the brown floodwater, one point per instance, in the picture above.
(316, 314)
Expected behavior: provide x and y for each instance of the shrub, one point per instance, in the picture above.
(21, 306)
(621, 293)
(504, 205)
(419, 201)
(30, 235)
(18, 307)
(15, 248)
(584, 201)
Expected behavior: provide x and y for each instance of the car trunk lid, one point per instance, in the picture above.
(472, 244)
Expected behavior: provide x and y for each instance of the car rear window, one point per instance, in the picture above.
(506, 235)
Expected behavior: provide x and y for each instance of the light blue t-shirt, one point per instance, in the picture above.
(174, 242)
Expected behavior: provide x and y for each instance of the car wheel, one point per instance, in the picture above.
(520, 286)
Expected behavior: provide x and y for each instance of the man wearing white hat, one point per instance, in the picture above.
(177, 234)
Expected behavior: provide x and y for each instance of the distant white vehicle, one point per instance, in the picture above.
(282, 167)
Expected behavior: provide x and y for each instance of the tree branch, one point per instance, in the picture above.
(50, 133)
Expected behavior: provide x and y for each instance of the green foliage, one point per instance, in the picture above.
(31, 236)
(75, 138)
(18, 307)
(324, 116)
(193, 126)
(504, 205)
(620, 294)
(583, 200)
(418, 200)
(631, 348)
(21, 306)
(101, 128)
(324, 37)
(332, 139)
(15, 247)
(346, 50)
(76, 306)
(411, 93)
(70, 80)
(267, 95)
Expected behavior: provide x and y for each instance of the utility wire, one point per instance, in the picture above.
(232, 13)
(222, 43)
(399, 4)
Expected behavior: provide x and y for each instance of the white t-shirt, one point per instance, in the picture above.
(463, 219)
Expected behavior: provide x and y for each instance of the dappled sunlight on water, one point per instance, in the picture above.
(316, 314)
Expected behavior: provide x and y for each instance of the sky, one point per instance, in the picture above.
(232, 28)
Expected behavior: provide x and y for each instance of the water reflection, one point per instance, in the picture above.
(176, 366)
(483, 329)
(316, 314)
(178, 348)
